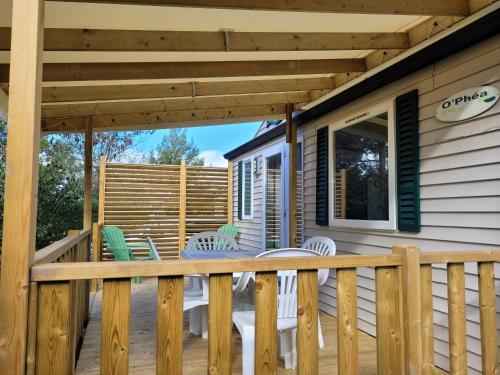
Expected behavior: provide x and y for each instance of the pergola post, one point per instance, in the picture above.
(87, 183)
(21, 181)
(291, 139)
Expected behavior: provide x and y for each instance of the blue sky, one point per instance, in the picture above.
(213, 141)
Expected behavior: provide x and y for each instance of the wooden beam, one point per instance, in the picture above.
(175, 104)
(166, 70)
(291, 139)
(418, 7)
(21, 182)
(182, 89)
(209, 41)
(87, 183)
(159, 120)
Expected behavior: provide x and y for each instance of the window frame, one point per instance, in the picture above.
(345, 122)
(243, 190)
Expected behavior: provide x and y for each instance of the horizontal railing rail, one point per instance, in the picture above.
(79, 271)
(403, 310)
(56, 250)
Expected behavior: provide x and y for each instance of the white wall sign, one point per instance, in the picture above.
(467, 103)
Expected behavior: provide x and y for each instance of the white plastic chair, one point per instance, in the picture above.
(209, 241)
(206, 241)
(287, 312)
(323, 245)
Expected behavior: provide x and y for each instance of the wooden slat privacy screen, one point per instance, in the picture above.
(166, 202)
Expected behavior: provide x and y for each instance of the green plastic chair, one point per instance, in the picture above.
(228, 229)
(123, 251)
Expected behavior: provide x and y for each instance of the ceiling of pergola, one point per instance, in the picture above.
(130, 66)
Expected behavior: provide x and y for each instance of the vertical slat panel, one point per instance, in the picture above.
(307, 322)
(54, 340)
(115, 327)
(32, 329)
(265, 323)
(427, 321)
(456, 317)
(170, 324)
(389, 334)
(182, 205)
(347, 320)
(487, 309)
(220, 324)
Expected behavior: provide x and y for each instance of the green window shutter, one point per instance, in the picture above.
(240, 190)
(322, 194)
(248, 188)
(408, 162)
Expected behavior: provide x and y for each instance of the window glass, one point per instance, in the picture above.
(362, 170)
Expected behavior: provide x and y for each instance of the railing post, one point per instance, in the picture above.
(96, 251)
(182, 205)
(410, 280)
(87, 182)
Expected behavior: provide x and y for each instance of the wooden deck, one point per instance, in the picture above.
(143, 341)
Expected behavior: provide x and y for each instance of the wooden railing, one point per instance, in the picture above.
(47, 316)
(403, 304)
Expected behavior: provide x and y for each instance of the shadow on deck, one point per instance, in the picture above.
(142, 355)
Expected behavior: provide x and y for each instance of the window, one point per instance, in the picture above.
(363, 170)
(247, 189)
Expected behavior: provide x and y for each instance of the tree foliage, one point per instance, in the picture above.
(174, 147)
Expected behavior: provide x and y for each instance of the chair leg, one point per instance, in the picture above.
(247, 350)
(287, 348)
(138, 280)
(195, 321)
(321, 343)
(204, 321)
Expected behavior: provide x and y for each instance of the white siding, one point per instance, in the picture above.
(460, 189)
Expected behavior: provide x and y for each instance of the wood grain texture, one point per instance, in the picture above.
(307, 323)
(54, 333)
(389, 333)
(182, 89)
(487, 310)
(456, 319)
(110, 270)
(220, 324)
(115, 327)
(265, 360)
(412, 306)
(163, 70)
(347, 319)
(32, 330)
(21, 181)
(427, 321)
(170, 325)
(418, 7)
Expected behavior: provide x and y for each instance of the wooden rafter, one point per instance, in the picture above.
(157, 120)
(185, 41)
(418, 7)
(175, 104)
(182, 89)
(163, 70)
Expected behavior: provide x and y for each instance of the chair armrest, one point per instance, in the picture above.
(142, 245)
(152, 247)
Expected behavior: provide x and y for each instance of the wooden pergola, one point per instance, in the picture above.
(100, 65)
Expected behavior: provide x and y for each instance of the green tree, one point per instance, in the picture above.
(174, 147)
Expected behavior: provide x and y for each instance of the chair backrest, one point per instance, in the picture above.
(229, 229)
(115, 241)
(287, 280)
(210, 241)
(323, 245)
